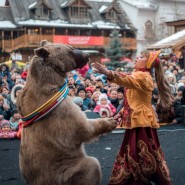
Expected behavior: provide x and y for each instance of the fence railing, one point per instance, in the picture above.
(29, 41)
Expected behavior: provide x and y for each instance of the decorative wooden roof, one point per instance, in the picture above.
(38, 3)
(60, 16)
(68, 3)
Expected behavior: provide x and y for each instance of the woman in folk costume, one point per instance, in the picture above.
(140, 159)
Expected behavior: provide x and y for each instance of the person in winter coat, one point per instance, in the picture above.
(5, 74)
(14, 93)
(104, 107)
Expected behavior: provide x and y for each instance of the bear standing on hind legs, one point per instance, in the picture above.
(54, 128)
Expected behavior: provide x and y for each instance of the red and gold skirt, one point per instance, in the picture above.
(140, 160)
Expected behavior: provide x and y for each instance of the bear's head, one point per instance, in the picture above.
(62, 58)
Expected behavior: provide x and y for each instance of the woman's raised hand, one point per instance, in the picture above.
(99, 68)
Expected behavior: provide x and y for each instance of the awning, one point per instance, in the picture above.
(175, 41)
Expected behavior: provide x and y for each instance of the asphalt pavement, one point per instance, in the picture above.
(172, 140)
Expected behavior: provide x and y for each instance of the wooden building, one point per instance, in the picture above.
(85, 24)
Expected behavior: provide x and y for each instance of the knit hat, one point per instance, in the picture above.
(78, 100)
(89, 89)
(5, 123)
(99, 78)
(152, 57)
(102, 96)
(81, 88)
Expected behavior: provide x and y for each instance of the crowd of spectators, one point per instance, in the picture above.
(92, 93)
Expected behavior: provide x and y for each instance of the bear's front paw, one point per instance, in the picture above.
(111, 124)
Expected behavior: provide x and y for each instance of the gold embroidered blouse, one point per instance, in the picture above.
(139, 94)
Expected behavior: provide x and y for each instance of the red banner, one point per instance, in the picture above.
(79, 40)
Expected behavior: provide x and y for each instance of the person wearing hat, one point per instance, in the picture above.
(6, 132)
(13, 95)
(89, 91)
(140, 159)
(180, 89)
(5, 109)
(79, 101)
(81, 92)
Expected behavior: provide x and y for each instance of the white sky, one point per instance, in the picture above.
(2, 2)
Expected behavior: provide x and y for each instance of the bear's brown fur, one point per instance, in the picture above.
(51, 151)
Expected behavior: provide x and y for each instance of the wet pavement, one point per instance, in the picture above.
(172, 140)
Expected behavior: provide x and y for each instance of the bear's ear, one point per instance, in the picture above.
(42, 52)
(43, 43)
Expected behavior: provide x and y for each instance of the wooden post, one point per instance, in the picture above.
(40, 34)
(53, 34)
(25, 37)
(12, 39)
(3, 40)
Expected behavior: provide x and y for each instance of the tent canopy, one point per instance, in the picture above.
(175, 41)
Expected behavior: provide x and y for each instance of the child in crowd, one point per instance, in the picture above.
(104, 107)
(6, 132)
(14, 120)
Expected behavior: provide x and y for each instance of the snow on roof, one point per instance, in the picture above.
(171, 40)
(60, 23)
(2, 2)
(106, 25)
(63, 4)
(102, 8)
(90, 51)
(172, 37)
(142, 4)
(32, 5)
(7, 24)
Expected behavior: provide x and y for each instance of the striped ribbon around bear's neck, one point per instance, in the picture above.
(47, 107)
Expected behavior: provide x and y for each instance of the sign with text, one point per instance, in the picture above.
(79, 40)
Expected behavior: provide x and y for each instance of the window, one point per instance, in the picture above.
(79, 11)
(111, 14)
(33, 31)
(42, 11)
(148, 30)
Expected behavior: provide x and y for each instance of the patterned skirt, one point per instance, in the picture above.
(140, 160)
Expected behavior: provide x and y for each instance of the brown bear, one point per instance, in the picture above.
(51, 150)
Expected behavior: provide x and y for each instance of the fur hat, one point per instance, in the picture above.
(13, 92)
(17, 88)
(105, 112)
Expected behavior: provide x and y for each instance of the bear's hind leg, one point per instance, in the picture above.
(89, 172)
